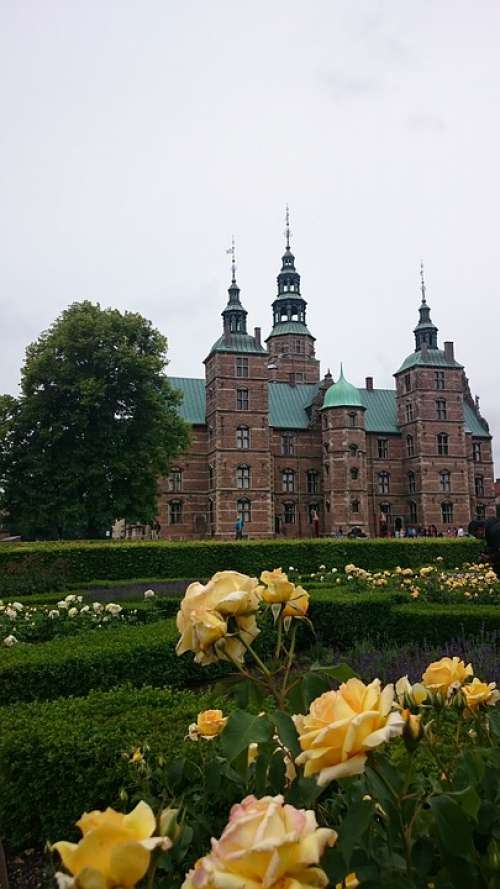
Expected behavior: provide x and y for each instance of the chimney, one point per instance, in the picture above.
(448, 351)
(369, 383)
(256, 336)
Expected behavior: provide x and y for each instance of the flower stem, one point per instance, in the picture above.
(289, 662)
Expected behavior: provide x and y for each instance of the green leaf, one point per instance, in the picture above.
(354, 825)
(304, 792)
(277, 772)
(241, 730)
(494, 720)
(313, 686)
(468, 799)
(454, 830)
(287, 732)
(342, 672)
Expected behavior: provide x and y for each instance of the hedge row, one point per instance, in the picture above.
(145, 655)
(51, 566)
(65, 667)
(61, 758)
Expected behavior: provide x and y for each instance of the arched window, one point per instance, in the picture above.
(288, 481)
(243, 438)
(412, 482)
(353, 449)
(410, 446)
(447, 512)
(445, 481)
(312, 481)
(480, 511)
(354, 472)
(175, 512)
(412, 511)
(383, 482)
(479, 485)
(355, 506)
(175, 480)
(244, 509)
(289, 513)
(442, 444)
(243, 477)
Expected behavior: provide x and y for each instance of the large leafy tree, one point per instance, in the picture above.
(95, 427)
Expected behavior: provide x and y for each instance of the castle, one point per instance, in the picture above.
(277, 444)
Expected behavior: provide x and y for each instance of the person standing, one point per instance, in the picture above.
(240, 524)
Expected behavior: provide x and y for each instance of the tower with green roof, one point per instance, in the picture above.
(344, 458)
(239, 468)
(290, 343)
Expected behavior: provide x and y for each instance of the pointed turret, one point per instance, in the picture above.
(289, 307)
(235, 337)
(425, 331)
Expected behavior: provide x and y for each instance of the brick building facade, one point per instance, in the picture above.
(274, 441)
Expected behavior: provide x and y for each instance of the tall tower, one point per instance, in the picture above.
(344, 458)
(290, 344)
(430, 406)
(237, 416)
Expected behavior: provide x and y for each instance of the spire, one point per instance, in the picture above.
(234, 315)
(233, 290)
(287, 227)
(289, 307)
(422, 282)
(425, 331)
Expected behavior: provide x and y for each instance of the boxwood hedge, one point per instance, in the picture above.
(51, 566)
(61, 758)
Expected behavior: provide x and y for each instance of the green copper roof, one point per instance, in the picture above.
(342, 394)
(433, 358)
(288, 407)
(289, 327)
(237, 342)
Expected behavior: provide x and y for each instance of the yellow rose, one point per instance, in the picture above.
(277, 586)
(349, 882)
(342, 726)
(114, 851)
(477, 693)
(413, 729)
(215, 618)
(410, 695)
(424, 572)
(209, 724)
(440, 675)
(298, 604)
(265, 845)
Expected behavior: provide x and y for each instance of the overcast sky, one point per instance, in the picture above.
(136, 137)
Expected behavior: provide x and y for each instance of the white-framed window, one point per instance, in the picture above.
(410, 446)
(441, 409)
(447, 512)
(289, 513)
(382, 448)
(175, 512)
(445, 481)
(287, 444)
(242, 399)
(442, 444)
(244, 509)
(241, 366)
(412, 483)
(479, 485)
(288, 481)
(383, 482)
(243, 438)
(243, 476)
(312, 481)
(175, 480)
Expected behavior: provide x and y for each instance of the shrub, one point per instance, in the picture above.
(141, 655)
(61, 758)
(80, 562)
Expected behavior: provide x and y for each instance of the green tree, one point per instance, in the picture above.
(95, 427)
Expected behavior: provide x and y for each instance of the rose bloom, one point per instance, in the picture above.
(9, 641)
(408, 694)
(277, 586)
(349, 882)
(298, 604)
(476, 693)
(440, 675)
(209, 724)
(232, 598)
(265, 845)
(114, 851)
(342, 726)
(113, 609)
(149, 594)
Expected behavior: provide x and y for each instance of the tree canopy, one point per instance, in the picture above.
(94, 428)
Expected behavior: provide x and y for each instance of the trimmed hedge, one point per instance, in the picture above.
(65, 667)
(61, 758)
(26, 568)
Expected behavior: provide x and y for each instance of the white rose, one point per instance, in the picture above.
(97, 607)
(72, 612)
(149, 594)
(70, 598)
(9, 612)
(85, 609)
(18, 606)
(62, 604)
(113, 609)
(9, 641)
(53, 614)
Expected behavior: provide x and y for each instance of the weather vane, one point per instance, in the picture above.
(232, 251)
(288, 233)
(422, 286)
